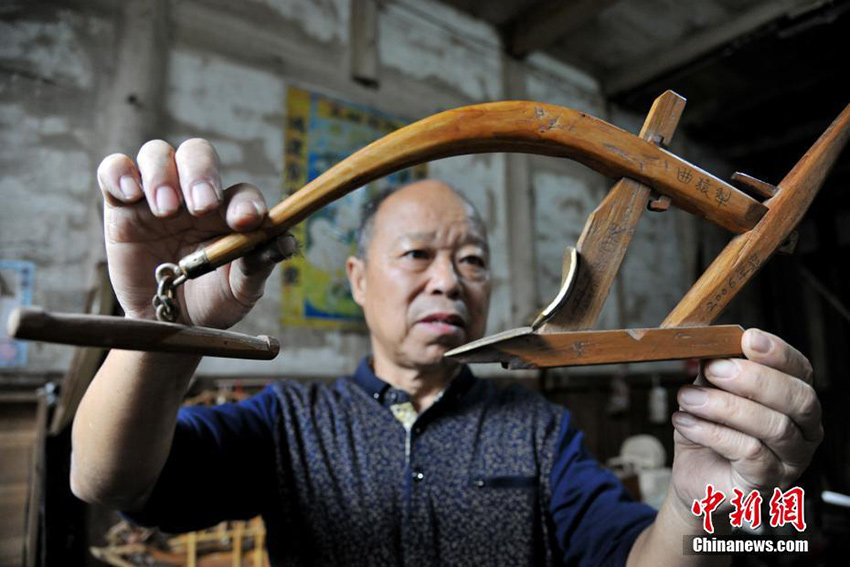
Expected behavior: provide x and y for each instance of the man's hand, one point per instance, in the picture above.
(167, 205)
(756, 429)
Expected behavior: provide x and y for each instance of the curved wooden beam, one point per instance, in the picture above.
(511, 126)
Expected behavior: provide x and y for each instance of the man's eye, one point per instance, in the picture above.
(416, 254)
(477, 261)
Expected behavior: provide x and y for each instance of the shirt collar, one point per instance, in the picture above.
(376, 388)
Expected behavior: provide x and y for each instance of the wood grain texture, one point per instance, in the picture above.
(609, 229)
(511, 126)
(524, 348)
(137, 334)
(746, 253)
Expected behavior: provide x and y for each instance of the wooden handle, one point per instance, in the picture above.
(511, 126)
(136, 334)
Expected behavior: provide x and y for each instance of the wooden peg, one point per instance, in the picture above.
(659, 204)
(754, 186)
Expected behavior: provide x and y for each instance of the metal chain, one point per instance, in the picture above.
(168, 277)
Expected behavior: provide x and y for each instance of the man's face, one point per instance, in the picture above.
(425, 284)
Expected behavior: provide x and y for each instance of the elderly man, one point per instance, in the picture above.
(410, 460)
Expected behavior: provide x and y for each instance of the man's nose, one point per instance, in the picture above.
(443, 278)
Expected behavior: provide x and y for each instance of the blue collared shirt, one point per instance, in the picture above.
(485, 476)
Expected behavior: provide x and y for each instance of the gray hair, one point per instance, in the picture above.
(370, 209)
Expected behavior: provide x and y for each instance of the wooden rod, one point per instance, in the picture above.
(524, 348)
(609, 229)
(31, 323)
(510, 126)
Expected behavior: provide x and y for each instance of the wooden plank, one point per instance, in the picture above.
(547, 22)
(609, 229)
(19, 420)
(137, 334)
(36, 485)
(523, 348)
(746, 253)
(510, 126)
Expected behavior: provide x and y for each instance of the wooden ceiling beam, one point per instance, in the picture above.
(632, 74)
(549, 21)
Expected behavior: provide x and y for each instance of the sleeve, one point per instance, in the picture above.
(596, 521)
(221, 467)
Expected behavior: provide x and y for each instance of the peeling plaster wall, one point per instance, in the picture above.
(53, 63)
(228, 70)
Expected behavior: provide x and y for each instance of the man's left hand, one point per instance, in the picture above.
(751, 424)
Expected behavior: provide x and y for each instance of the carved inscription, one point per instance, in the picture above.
(578, 348)
(739, 275)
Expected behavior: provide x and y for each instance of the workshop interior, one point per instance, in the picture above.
(654, 177)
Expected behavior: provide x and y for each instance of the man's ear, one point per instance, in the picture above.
(355, 268)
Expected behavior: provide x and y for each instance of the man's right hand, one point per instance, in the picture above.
(167, 205)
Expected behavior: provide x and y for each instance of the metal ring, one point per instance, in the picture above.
(167, 277)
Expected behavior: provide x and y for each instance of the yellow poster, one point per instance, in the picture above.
(321, 132)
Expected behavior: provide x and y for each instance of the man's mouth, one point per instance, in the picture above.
(444, 322)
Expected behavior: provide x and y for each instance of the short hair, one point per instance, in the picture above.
(370, 209)
(367, 219)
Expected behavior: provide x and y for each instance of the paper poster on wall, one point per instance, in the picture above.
(321, 132)
(16, 282)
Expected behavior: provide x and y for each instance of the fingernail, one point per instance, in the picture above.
(247, 210)
(759, 342)
(685, 419)
(166, 200)
(129, 188)
(204, 197)
(722, 368)
(694, 397)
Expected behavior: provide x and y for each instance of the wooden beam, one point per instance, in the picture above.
(508, 126)
(135, 101)
(365, 61)
(609, 229)
(522, 256)
(546, 23)
(632, 74)
(524, 348)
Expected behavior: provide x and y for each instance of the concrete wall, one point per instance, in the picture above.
(225, 71)
(54, 65)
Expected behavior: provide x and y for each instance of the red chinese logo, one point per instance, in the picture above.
(746, 509)
(785, 508)
(707, 505)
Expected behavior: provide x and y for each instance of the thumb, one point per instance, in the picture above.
(248, 274)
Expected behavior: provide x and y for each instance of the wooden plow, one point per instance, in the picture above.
(761, 216)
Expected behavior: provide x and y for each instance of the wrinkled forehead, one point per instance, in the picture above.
(437, 217)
